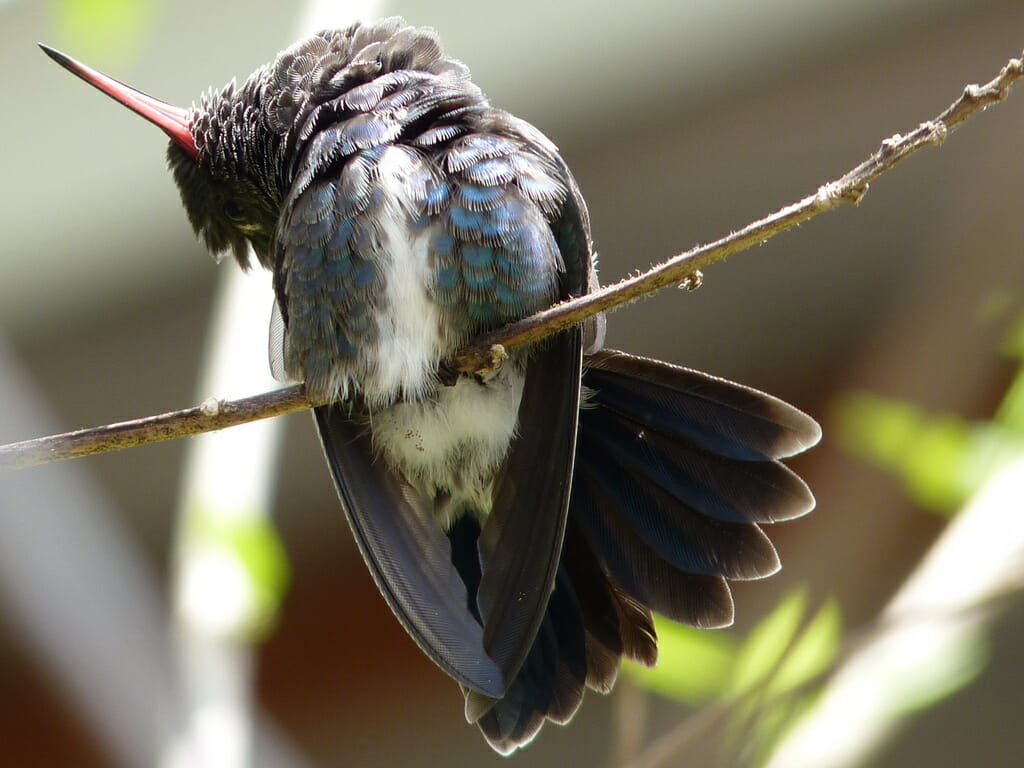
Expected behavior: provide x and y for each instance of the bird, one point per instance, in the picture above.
(522, 523)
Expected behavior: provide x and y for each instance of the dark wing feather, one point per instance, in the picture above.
(697, 599)
(707, 442)
(408, 555)
(726, 489)
(564, 623)
(551, 682)
(699, 409)
(534, 627)
(522, 538)
(616, 624)
(679, 533)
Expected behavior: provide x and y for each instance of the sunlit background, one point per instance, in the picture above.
(893, 323)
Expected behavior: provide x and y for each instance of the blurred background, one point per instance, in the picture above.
(682, 122)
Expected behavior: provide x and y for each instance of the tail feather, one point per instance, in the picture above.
(692, 598)
(717, 485)
(551, 682)
(675, 531)
(617, 625)
(675, 472)
(565, 623)
(699, 409)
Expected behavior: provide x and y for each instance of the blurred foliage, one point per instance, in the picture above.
(763, 683)
(942, 459)
(694, 665)
(765, 678)
(773, 696)
(252, 544)
(109, 34)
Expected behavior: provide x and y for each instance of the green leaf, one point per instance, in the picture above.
(764, 648)
(813, 652)
(931, 453)
(775, 722)
(694, 665)
(778, 659)
(1012, 344)
(1011, 411)
(941, 459)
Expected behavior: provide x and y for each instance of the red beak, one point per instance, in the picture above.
(172, 120)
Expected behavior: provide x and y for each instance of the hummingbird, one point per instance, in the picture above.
(522, 524)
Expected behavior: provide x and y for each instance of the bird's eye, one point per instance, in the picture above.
(234, 211)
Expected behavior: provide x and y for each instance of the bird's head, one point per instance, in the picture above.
(219, 153)
(242, 154)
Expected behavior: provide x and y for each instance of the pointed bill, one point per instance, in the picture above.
(172, 120)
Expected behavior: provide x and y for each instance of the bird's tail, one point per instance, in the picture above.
(676, 471)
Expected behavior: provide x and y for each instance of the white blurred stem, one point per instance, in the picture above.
(228, 482)
(227, 485)
(930, 635)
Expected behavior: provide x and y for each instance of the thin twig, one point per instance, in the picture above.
(482, 352)
(211, 415)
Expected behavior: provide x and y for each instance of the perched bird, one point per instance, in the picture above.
(522, 525)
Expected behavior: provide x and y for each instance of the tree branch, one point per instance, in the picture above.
(482, 353)
(211, 415)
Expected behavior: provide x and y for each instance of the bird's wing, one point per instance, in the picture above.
(330, 286)
(407, 553)
(521, 542)
(509, 238)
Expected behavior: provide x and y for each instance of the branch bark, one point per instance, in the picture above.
(480, 355)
